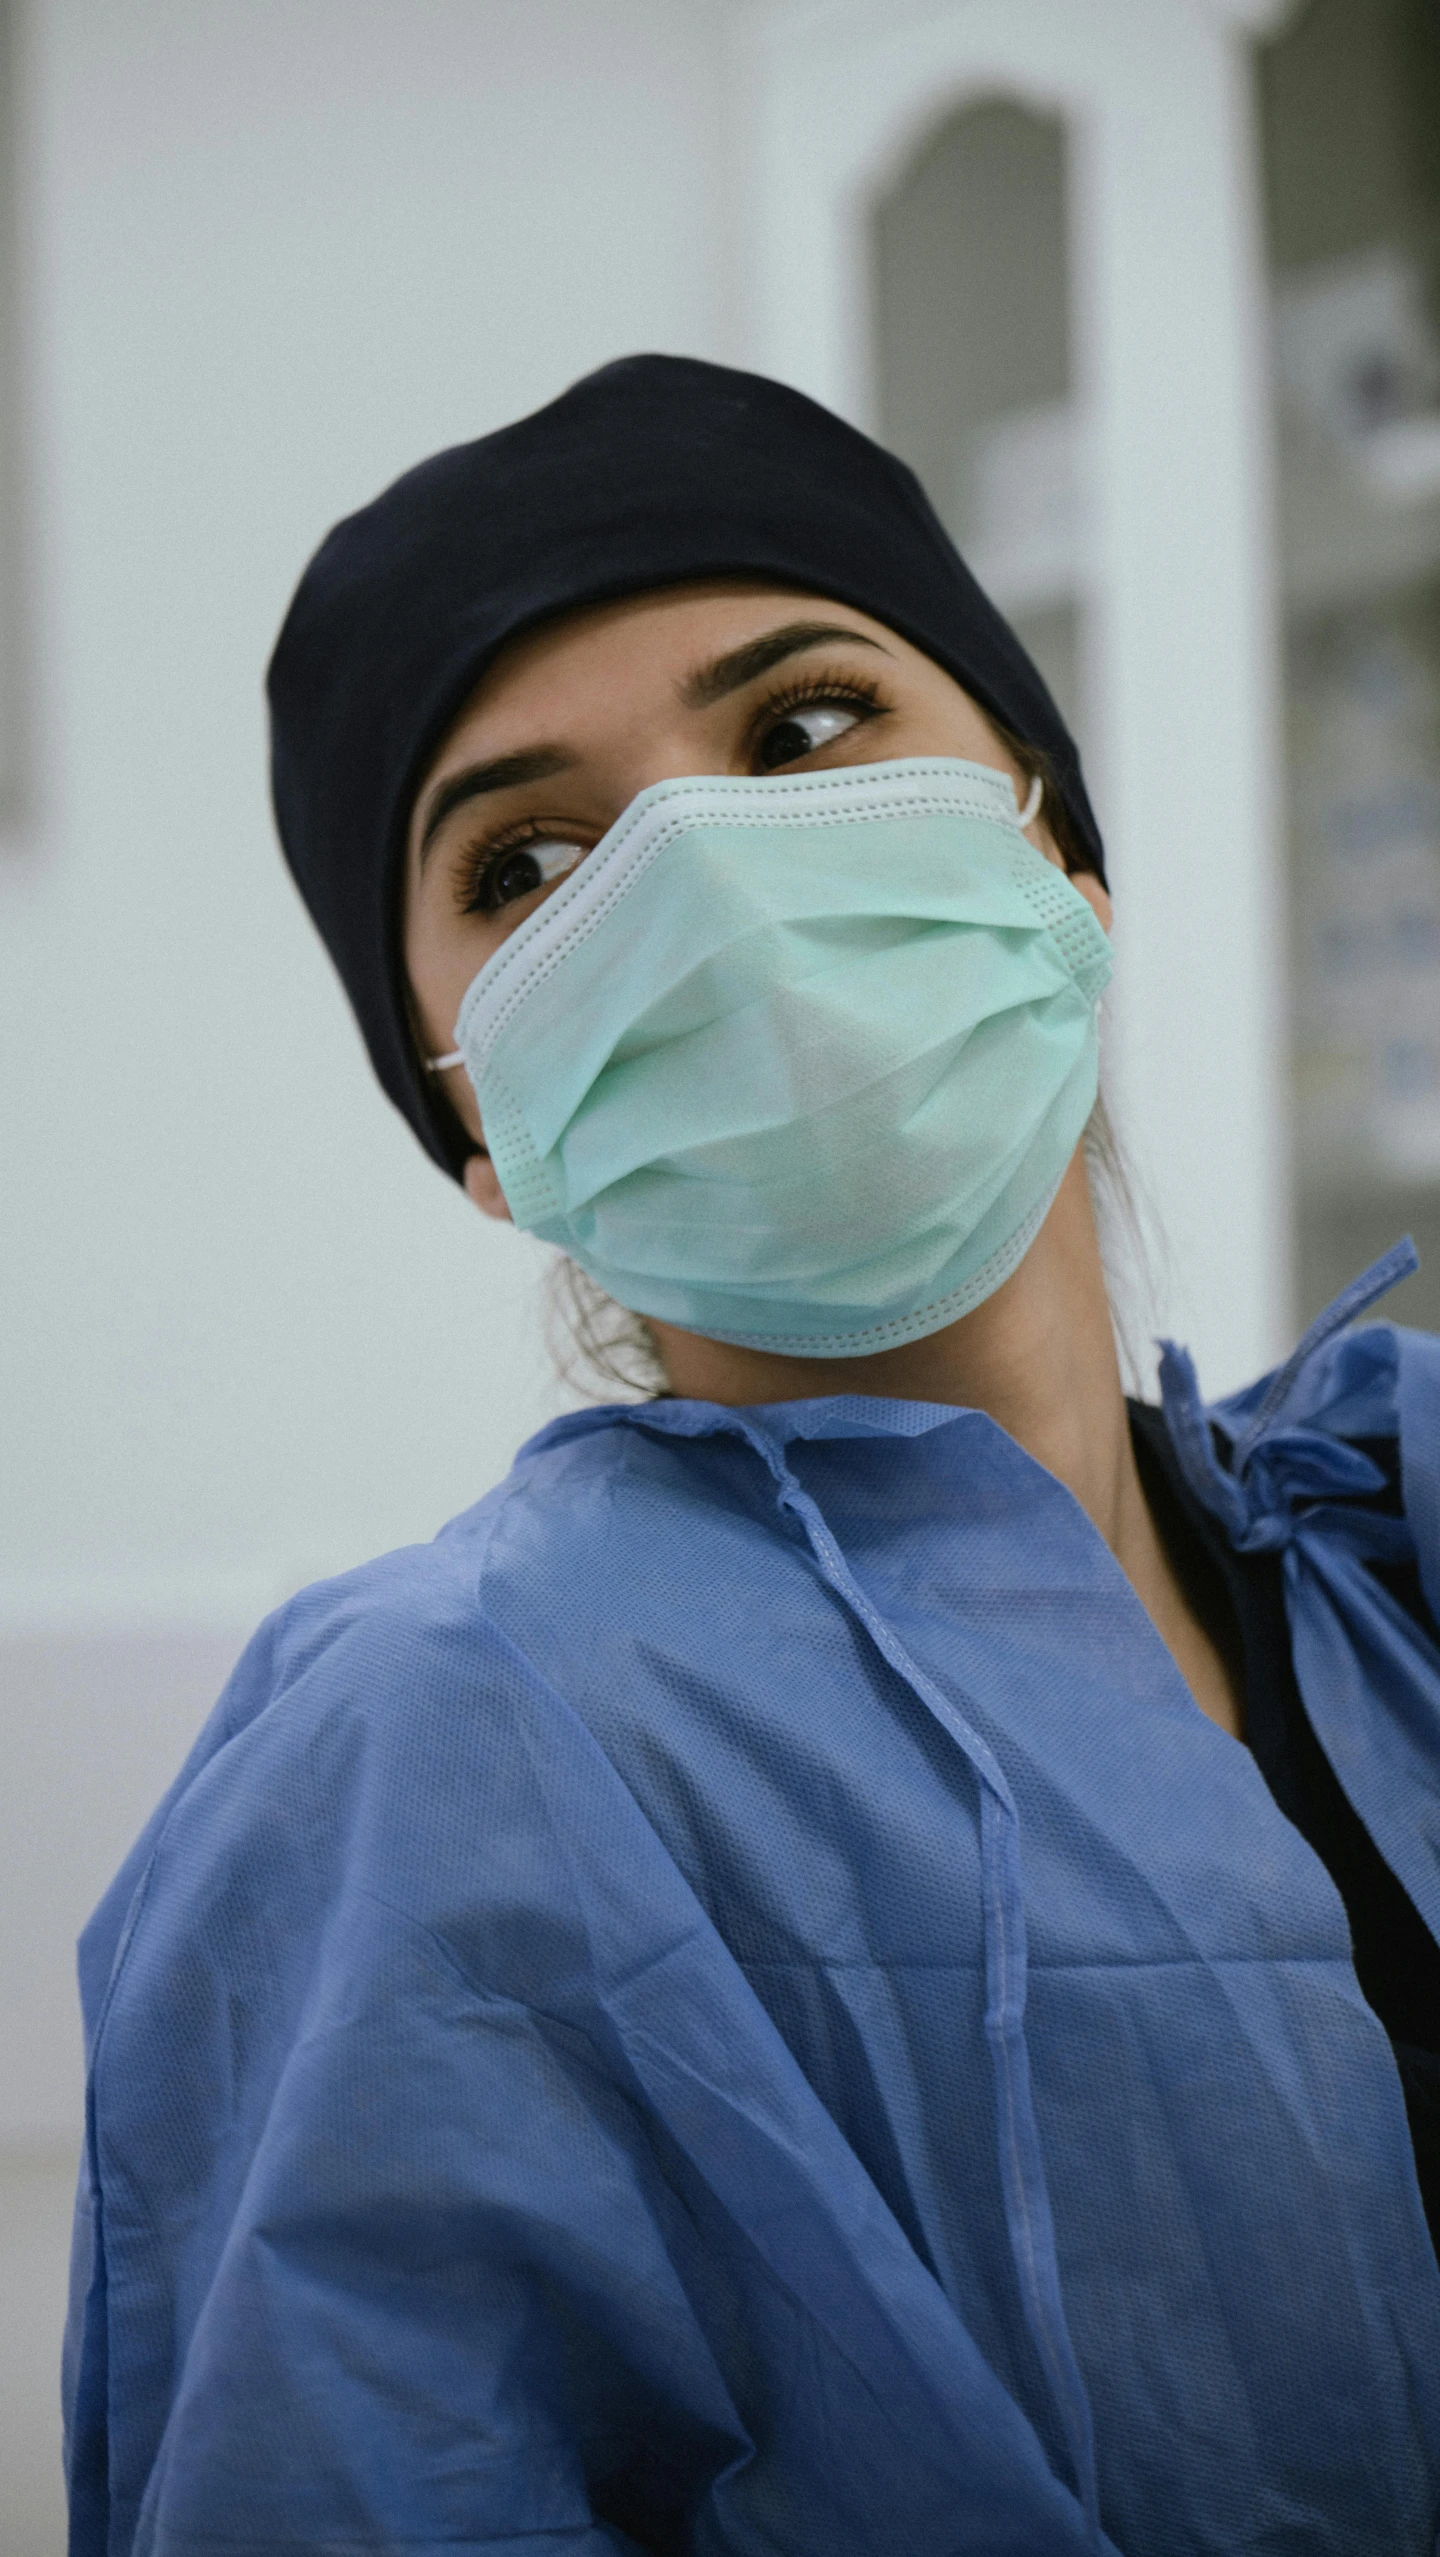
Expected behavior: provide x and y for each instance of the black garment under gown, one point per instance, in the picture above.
(1240, 1600)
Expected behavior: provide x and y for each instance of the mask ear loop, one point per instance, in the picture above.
(442, 1065)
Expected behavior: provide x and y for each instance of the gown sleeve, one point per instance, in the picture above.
(452, 2190)
(370, 2250)
(444, 2314)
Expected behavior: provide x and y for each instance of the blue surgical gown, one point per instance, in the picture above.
(734, 2004)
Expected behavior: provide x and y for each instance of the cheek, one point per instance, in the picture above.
(440, 965)
(1096, 897)
(483, 1189)
(460, 1093)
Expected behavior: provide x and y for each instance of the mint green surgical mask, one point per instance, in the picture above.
(795, 1062)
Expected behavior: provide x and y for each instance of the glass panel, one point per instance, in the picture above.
(974, 373)
(1350, 128)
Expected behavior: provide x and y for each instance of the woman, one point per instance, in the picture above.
(734, 2002)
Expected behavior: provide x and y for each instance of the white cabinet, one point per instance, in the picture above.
(1103, 444)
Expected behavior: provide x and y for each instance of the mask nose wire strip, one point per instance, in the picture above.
(1022, 2172)
(1034, 802)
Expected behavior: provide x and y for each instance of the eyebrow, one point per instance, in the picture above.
(698, 691)
(740, 666)
(504, 772)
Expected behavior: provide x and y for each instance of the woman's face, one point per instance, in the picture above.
(573, 721)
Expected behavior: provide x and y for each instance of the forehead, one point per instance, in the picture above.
(569, 665)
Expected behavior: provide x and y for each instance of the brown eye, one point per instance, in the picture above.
(516, 870)
(803, 732)
(518, 874)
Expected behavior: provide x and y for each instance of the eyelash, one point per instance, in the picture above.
(817, 691)
(479, 862)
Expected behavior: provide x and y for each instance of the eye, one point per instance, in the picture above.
(504, 873)
(804, 732)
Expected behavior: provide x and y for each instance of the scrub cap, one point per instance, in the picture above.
(655, 470)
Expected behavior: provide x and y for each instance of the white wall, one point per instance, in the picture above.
(275, 251)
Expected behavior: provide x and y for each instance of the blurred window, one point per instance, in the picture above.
(1350, 142)
(973, 360)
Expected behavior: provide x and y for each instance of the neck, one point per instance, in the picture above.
(1038, 1356)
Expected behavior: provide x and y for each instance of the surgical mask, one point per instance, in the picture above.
(795, 1062)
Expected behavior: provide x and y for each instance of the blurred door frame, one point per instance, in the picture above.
(1180, 612)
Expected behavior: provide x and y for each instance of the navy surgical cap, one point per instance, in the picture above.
(650, 472)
